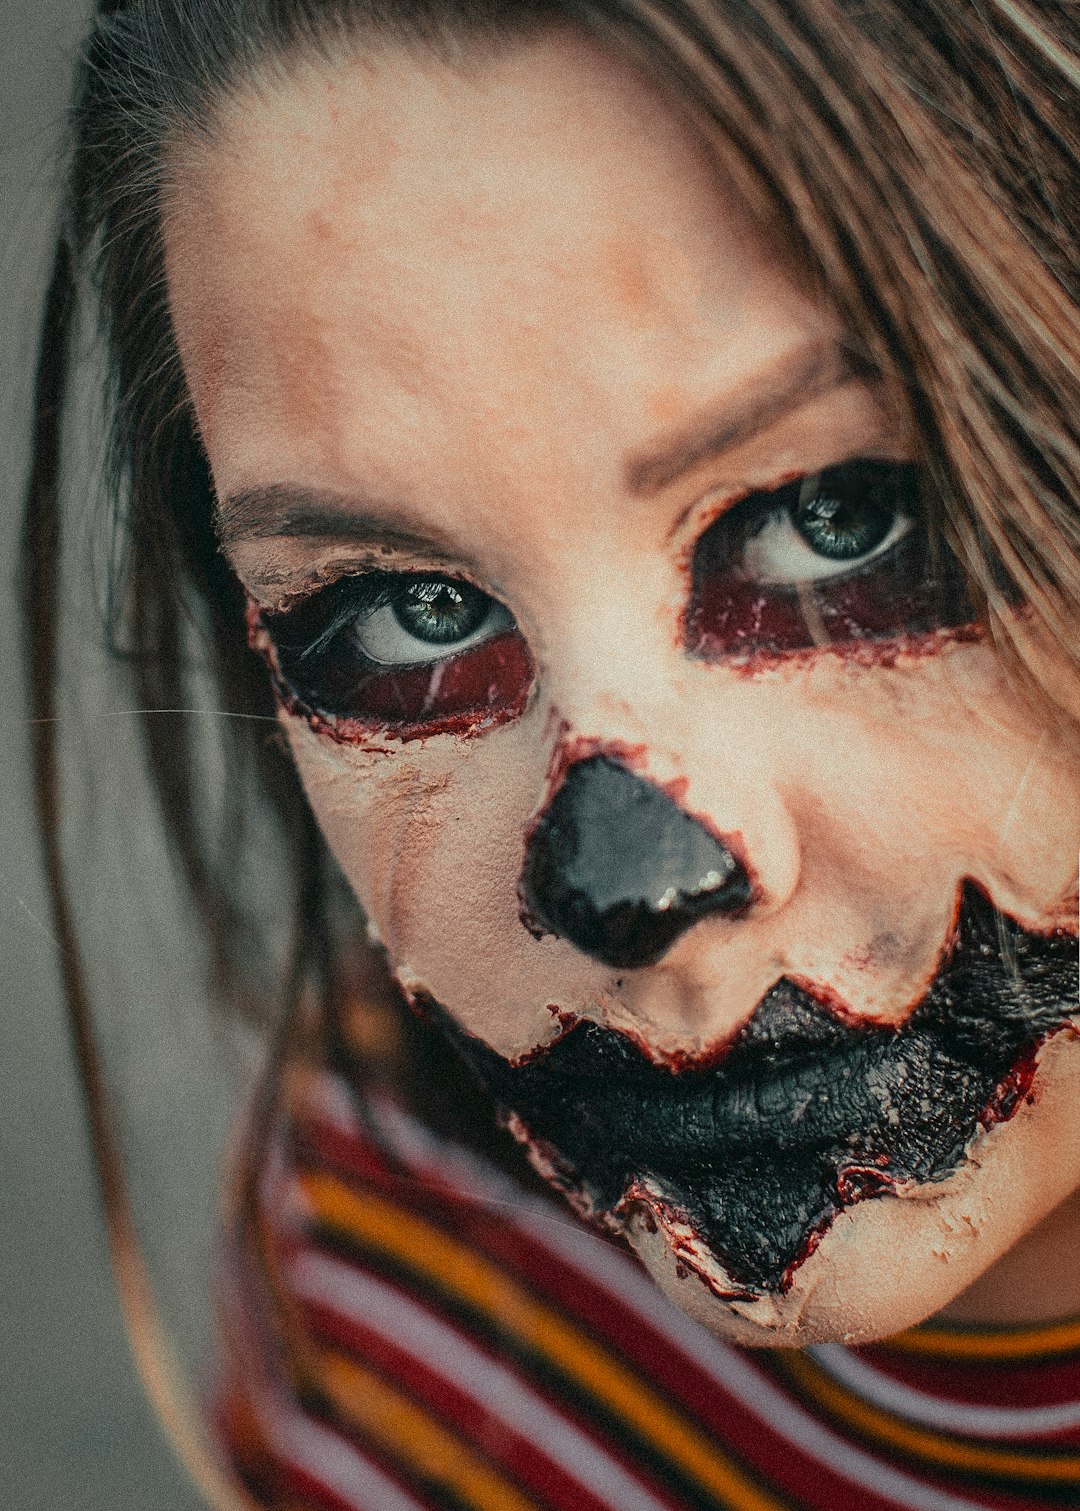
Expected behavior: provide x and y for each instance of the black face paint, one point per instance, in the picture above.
(805, 1115)
(615, 866)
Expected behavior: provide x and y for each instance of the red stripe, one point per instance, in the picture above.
(271, 1476)
(278, 1479)
(1010, 1383)
(515, 1455)
(576, 1295)
(960, 1482)
(656, 1355)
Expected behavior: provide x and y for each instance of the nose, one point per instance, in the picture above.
(618, 869)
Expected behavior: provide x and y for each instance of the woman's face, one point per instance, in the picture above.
(653, 736)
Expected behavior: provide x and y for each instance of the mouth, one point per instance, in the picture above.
(803, 1116)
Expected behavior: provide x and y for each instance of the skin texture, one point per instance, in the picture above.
(813, 1116)
(484, 324)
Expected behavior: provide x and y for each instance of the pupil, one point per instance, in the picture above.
(843, 528)
(440, 612)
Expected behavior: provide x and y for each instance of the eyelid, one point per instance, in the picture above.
(294, 589)
(712, 505)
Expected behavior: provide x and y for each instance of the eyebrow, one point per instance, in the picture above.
(281, 511)
(799, 378)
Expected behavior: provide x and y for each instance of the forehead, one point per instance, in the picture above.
(462, 261)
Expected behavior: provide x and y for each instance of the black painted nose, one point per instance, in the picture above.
(617, 868)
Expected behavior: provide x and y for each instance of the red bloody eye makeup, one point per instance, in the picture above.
(834, 558)
(838, 558)
(417, 653)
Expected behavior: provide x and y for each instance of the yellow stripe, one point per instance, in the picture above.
(413, 1437)
(932, 1447)
(989, 1345)
(378, 1223)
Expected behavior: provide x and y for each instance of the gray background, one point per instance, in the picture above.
(75, 1430)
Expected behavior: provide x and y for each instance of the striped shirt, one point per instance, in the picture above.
(412, 1331)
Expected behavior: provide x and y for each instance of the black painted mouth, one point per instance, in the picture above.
(805, 1115)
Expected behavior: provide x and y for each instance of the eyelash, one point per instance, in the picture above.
(320, 669)
(896, 585)
(906, 584)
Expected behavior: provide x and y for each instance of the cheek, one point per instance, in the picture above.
(935, 767)
(430, 836)
(384, 813)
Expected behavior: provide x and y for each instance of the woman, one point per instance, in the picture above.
(632, 449)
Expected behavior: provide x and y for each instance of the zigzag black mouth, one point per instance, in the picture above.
(805, 1115)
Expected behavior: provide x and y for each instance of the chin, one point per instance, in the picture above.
(892, 1260)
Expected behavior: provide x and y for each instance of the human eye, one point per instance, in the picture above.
(417, 653)
(836, 522)
(413, 620)
(834, 557)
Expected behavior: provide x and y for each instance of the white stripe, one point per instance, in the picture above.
(935, 1411)
(730, 1369)
(327, 1458)
(358, 1296)
(726, 1365)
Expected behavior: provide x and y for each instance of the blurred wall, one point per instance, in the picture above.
(75, 1431)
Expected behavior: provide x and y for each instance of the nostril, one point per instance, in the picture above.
(618, 869)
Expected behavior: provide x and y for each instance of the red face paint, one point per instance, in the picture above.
(843, 559)
(322, 670)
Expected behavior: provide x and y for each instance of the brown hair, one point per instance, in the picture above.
(923, 160)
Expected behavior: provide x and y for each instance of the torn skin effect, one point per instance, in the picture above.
(419, 348)
(754, 1157)
(748, 1209)
(810, 1110)
(462, 695)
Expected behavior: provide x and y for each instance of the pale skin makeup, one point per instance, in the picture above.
(505, 329)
